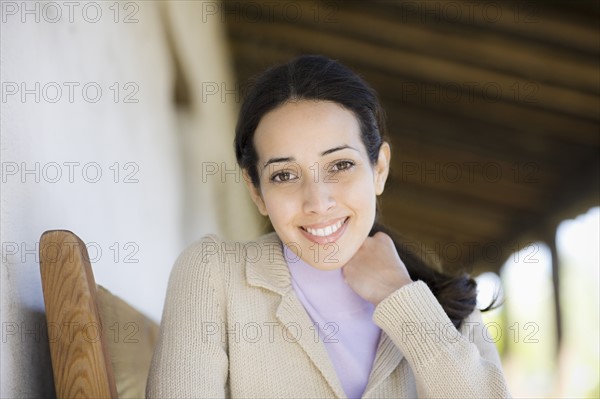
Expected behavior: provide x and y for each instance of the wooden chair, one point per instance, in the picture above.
(99, 345)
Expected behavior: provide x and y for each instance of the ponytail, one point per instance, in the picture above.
(456, 294)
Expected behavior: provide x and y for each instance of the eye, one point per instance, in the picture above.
(342, 165)
(283, 177)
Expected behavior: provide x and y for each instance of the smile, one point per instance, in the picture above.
(328, 233)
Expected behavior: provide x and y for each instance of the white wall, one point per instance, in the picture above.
(151, 209)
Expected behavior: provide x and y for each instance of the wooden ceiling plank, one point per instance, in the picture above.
(492, 50)
(412, 148)
(505, 114)
(408, 227)
(465, 211)
(491, 142)
(527, 19)
(425, 67)
(436, 216)
(471, 179)
(464, 201)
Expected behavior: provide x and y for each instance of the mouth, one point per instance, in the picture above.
(323, 234)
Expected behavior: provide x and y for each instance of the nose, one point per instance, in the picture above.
(318, 196)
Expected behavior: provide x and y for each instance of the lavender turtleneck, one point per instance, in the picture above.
(343, 319)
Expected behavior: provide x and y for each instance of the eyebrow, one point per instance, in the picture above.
(292, 159)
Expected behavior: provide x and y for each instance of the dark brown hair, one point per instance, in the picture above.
(314, 77)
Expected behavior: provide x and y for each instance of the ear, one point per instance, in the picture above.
(255, 194)
(382, 168)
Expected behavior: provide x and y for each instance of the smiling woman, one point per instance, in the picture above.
(316, 183)
(331, 306)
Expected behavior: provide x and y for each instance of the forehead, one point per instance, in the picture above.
(305, 127)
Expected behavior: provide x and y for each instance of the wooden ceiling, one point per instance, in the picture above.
(493, 108)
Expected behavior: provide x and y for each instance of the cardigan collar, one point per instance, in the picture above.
(266, 267)
(270, 271)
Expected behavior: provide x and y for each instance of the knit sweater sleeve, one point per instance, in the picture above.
(190, 360)
(446, 362)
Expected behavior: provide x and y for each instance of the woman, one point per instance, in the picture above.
(327, 305)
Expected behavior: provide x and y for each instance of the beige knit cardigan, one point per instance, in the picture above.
(233, 327)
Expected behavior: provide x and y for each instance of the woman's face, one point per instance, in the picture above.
(317, 184)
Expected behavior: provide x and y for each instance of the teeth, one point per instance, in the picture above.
(326, 231)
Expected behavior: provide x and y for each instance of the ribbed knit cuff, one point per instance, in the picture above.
(414, 319)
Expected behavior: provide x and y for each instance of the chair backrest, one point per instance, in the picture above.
(100, 346)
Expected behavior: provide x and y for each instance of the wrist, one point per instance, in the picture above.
(391, 288)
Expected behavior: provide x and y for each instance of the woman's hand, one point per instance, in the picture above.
(376, 270)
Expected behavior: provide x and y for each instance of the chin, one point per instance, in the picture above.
(329, 256)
